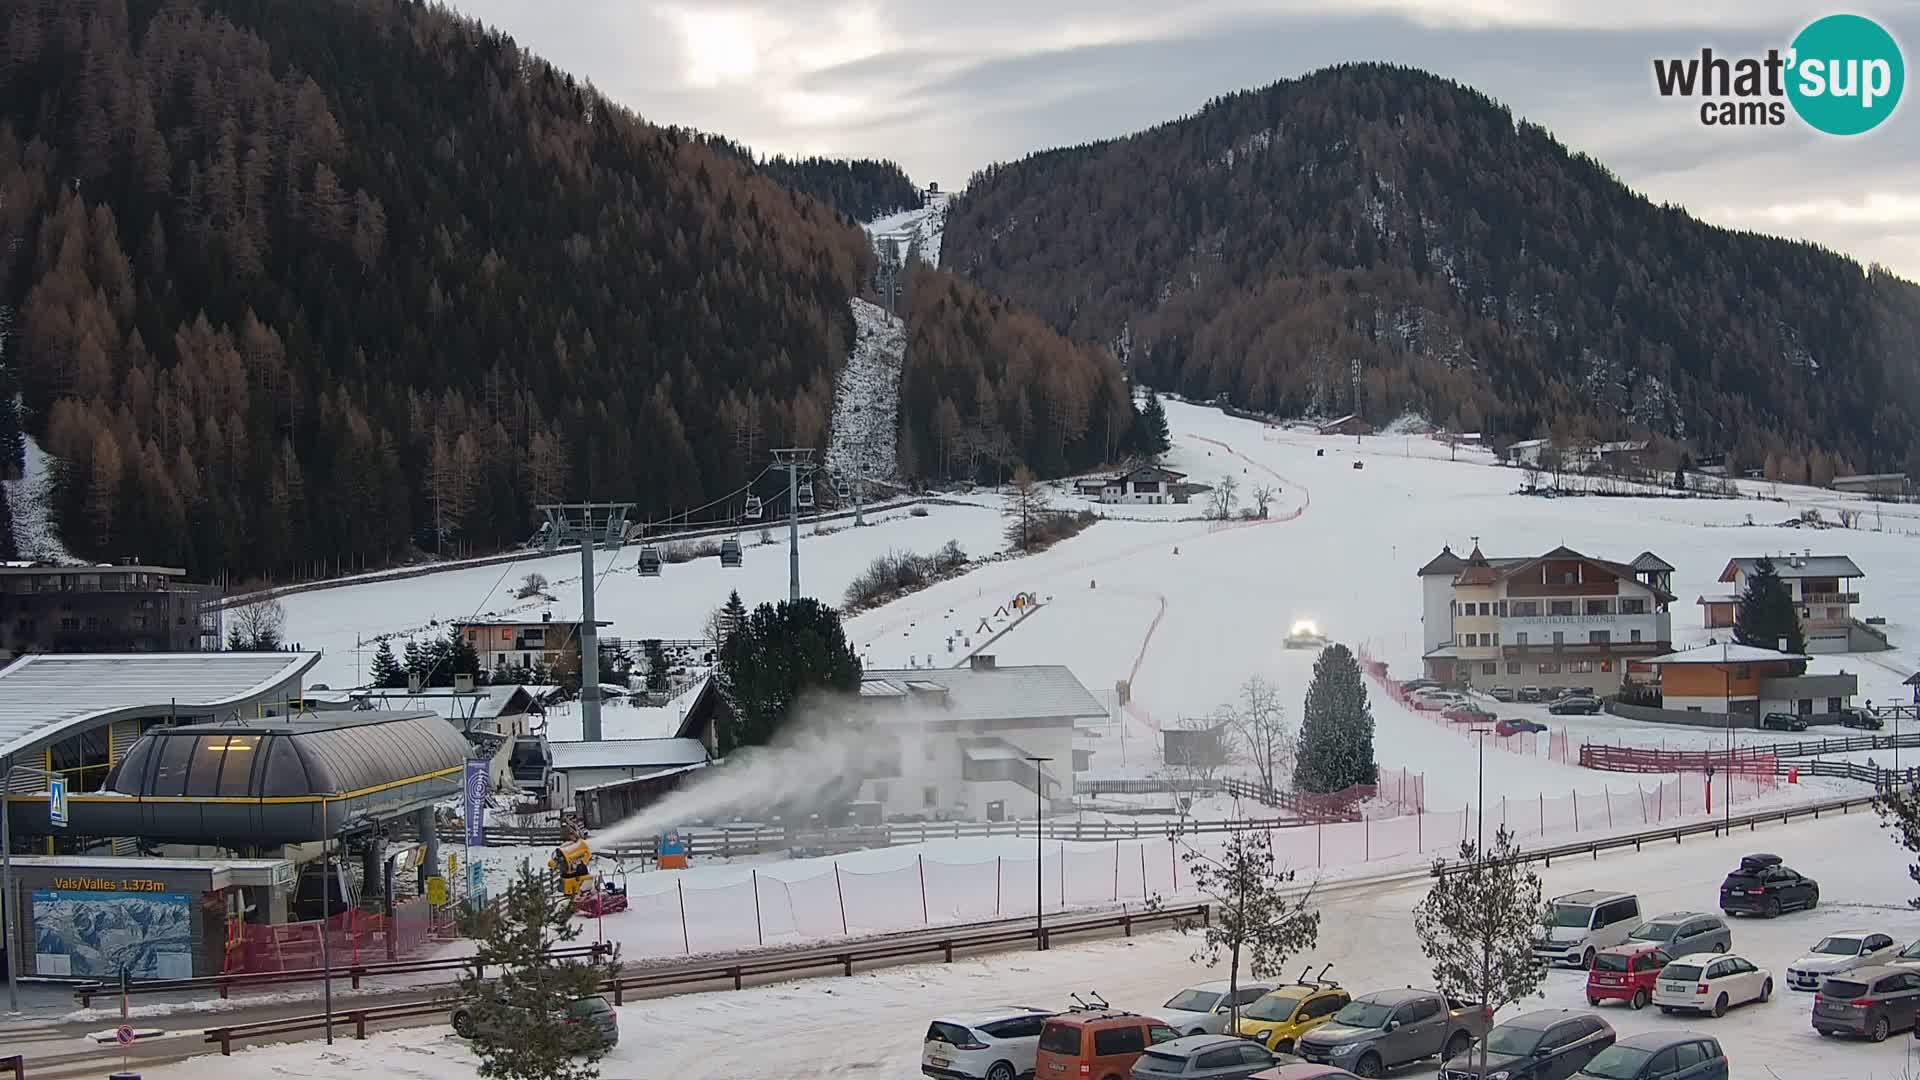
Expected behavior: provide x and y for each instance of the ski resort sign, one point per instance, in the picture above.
(1841, 75)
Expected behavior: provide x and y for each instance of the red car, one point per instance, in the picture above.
(1625, 973)
(1514, 725)
(1467, 714)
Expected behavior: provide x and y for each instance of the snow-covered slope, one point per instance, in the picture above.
(28, 500)
(914, 230)
(866, 401)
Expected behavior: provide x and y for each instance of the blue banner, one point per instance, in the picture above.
(473, 806)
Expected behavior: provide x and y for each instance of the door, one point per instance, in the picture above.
(1423, 1033)
(1690, 1061)
(1664, 1066)
(1746, 980)
(1254, 1058)
(1556, 1061)
(1877, 946)
(1221, 1064)
(1692, 937)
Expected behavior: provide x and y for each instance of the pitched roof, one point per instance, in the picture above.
(1729, 653)
(1647, 560)
(1444, 563)
(46, 696)
(1808, 566)
(1157, 470)
(1030, 692)
(1626, 571)
(1478, 571)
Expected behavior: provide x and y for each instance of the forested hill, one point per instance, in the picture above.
(1474, 268)
(311, 281)
(861, 188)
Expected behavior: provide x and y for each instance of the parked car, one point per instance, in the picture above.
(988, 1044)
(1855, 716)
(1284, 1014)
(1530, 693)
(1389, 1028)
(1437, 701)
(1783, 721)
(1659, 1055)
(1683, 932)
(1504, 694)
(1870, 1001)
(1763, 885)
(1575, 703)
(1515, 725)
(1206, 1057)
(593, 1015)
(1550, 1044)
(1583, 923)
(1467, 714)
(1908, 957)
(1625, 973)
(1711, 983)
(1412, 685)
(1100, 1044)
(1584, 691)
(1206, 1008)
(1840, 952)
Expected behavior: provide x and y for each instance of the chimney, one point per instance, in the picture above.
(981, 662)
(546, 616)
(463, 684)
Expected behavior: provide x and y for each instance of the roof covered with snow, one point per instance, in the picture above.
(1797, 566)
(1647, 560)
(1036, 692)
(1729, 653)
(627, 754)
(48, 696)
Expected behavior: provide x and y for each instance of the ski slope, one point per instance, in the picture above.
(871, 1025)
(920, 229)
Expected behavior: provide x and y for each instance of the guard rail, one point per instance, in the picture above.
(1675, 833)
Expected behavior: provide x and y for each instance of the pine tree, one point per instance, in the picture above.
(656, 664)
(418, 661)
(1336, 727)
(1767, 616)
(732, 617)
(1156, 437)
(519, 1018)
(779, 654)
(458, 657)
(1477, 924)
(387, 672)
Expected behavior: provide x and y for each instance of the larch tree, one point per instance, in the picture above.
(1026, 510)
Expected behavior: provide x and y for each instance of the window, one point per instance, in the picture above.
(1878, 941)
(1549, 667)
(1248, 996)
(1255, 1056)
(1421, 1010)
(1634, 635)
(1500, 608)
(930, 796)
(69, 623)
(203, 776)
(139, 622)
(1579, 667)
(1526, 609)
(1496, 639)
(1486, 609)
(1599, 607)
(1687, 1055)
(1020, 1027)
(1513, 667)
(1224, 1058)
(1559, 638)
(1599, 637)
(1489, 669)
(237, 773)
(1520, 639)
(1161, 1034)
(1633, 605)
(1119, 1040)
(1833, 704)
(473, 636)
(1664, 1063)
(1562, 607)
(1563, 1036)
(1325, 1006)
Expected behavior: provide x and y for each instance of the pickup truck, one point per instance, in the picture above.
(1853, 716)
(1389, 1028)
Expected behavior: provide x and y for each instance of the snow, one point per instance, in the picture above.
(866, 399)
(30, 499)
(871, 1024)
(924, 226)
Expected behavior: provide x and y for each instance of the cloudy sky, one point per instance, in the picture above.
(947, 88)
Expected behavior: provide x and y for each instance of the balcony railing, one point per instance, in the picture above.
(1831, 598)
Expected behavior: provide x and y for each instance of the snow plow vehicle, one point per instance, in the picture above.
(1305, 635)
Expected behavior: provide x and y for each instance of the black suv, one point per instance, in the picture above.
(1763, 885)
(1783, 721)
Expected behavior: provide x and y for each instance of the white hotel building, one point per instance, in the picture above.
(1558, 619)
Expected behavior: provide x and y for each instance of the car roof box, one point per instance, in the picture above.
(1759, 861)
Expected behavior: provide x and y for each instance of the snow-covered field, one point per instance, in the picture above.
(914, 230)
(871, 1025)
(29, 502)
(866, 399)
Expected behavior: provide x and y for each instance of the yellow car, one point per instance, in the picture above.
(1285, 1014)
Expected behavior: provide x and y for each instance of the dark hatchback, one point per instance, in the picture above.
(1763, 885)
(1552, 1044)
(1660, 1055)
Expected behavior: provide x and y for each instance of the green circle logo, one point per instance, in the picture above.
(1846, 76)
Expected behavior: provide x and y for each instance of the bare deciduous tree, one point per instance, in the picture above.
(1263, 496)
(258, 626)
(1192, 757)
(1259, 720)
(531, 586)
(1225, 494)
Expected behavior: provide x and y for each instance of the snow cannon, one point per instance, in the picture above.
(570, 862)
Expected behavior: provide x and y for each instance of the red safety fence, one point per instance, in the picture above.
(1554, 746)
(353, 937)
(1648, 760)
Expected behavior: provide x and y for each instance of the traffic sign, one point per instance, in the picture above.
(437, 891)
(476, 883)
(57, 802)
(124, 1035)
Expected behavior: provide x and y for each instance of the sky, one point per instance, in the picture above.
(946, 89)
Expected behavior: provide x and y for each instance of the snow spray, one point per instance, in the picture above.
(814, 766)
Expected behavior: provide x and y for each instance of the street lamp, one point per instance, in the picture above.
(7, 900)
(1480, 813)
(1039, 857)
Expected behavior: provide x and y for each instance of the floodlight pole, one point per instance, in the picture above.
(6, 890)
(1039, 851)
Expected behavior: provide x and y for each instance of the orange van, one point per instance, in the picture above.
(1096, 1045)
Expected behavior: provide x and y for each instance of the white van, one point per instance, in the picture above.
(1583, 923)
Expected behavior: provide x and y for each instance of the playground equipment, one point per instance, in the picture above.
(672, 852)
(604, 898)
